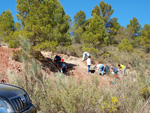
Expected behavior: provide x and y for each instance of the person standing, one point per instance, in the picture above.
(100, 69)
(85, 56)
(89, 63)
(122, 67)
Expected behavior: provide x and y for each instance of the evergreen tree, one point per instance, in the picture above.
(95, 34)
(113, 29)
(145, 38)
(124, 33)
(79, 25)
(13, 38)
(120, 35)
(6, 24)
(136, 26)
(44, 22)
(105, 11)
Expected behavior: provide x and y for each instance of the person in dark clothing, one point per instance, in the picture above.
(115, 70)
(63, 67)
(57, 60)
(107, 69)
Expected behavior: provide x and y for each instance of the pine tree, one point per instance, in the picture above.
(95, 33)
(44, 22)
(105, 11)
(136, 26)
(113, 28)
(79, 25)
(6, 24)
(124, 33)
(145, 38)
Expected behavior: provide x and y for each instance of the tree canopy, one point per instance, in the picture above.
(135, 25)
(95, 33)
(44, 21)
(79, 25)
(105, 11)
(6, 23)
(145, 38)
(45, 25)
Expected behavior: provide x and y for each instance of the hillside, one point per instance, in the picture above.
(6, 62)
(76, 68)
(59, 88)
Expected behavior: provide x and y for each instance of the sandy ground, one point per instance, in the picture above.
(79, 69)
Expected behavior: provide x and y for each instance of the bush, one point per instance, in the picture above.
(62, 94)
(47, 45)
(125, 45)
(16, 55)
(73, 50)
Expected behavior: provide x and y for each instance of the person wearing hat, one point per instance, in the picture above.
(115, 70)
(63, 66)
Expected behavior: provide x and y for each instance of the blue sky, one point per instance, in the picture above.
(124, 10)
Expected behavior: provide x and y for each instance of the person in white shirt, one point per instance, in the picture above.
(85, 56)
(89, 63)
(100, 67)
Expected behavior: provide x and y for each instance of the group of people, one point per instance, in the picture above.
(59, 63)
(101, 67)
(121, 67)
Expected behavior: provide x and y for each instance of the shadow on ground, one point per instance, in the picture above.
(49, 65)
(92, 71)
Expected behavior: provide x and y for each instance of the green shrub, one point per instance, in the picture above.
(47, 45)
(62, 94)
(16, 55)
(73, 50)
(125, 45)
(13, 44)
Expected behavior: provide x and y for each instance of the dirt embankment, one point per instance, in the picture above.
(6, 61)
(77, 68)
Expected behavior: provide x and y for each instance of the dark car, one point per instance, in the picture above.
(14, 100)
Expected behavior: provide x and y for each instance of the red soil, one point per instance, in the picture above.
(78, 68)
(6, 61)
